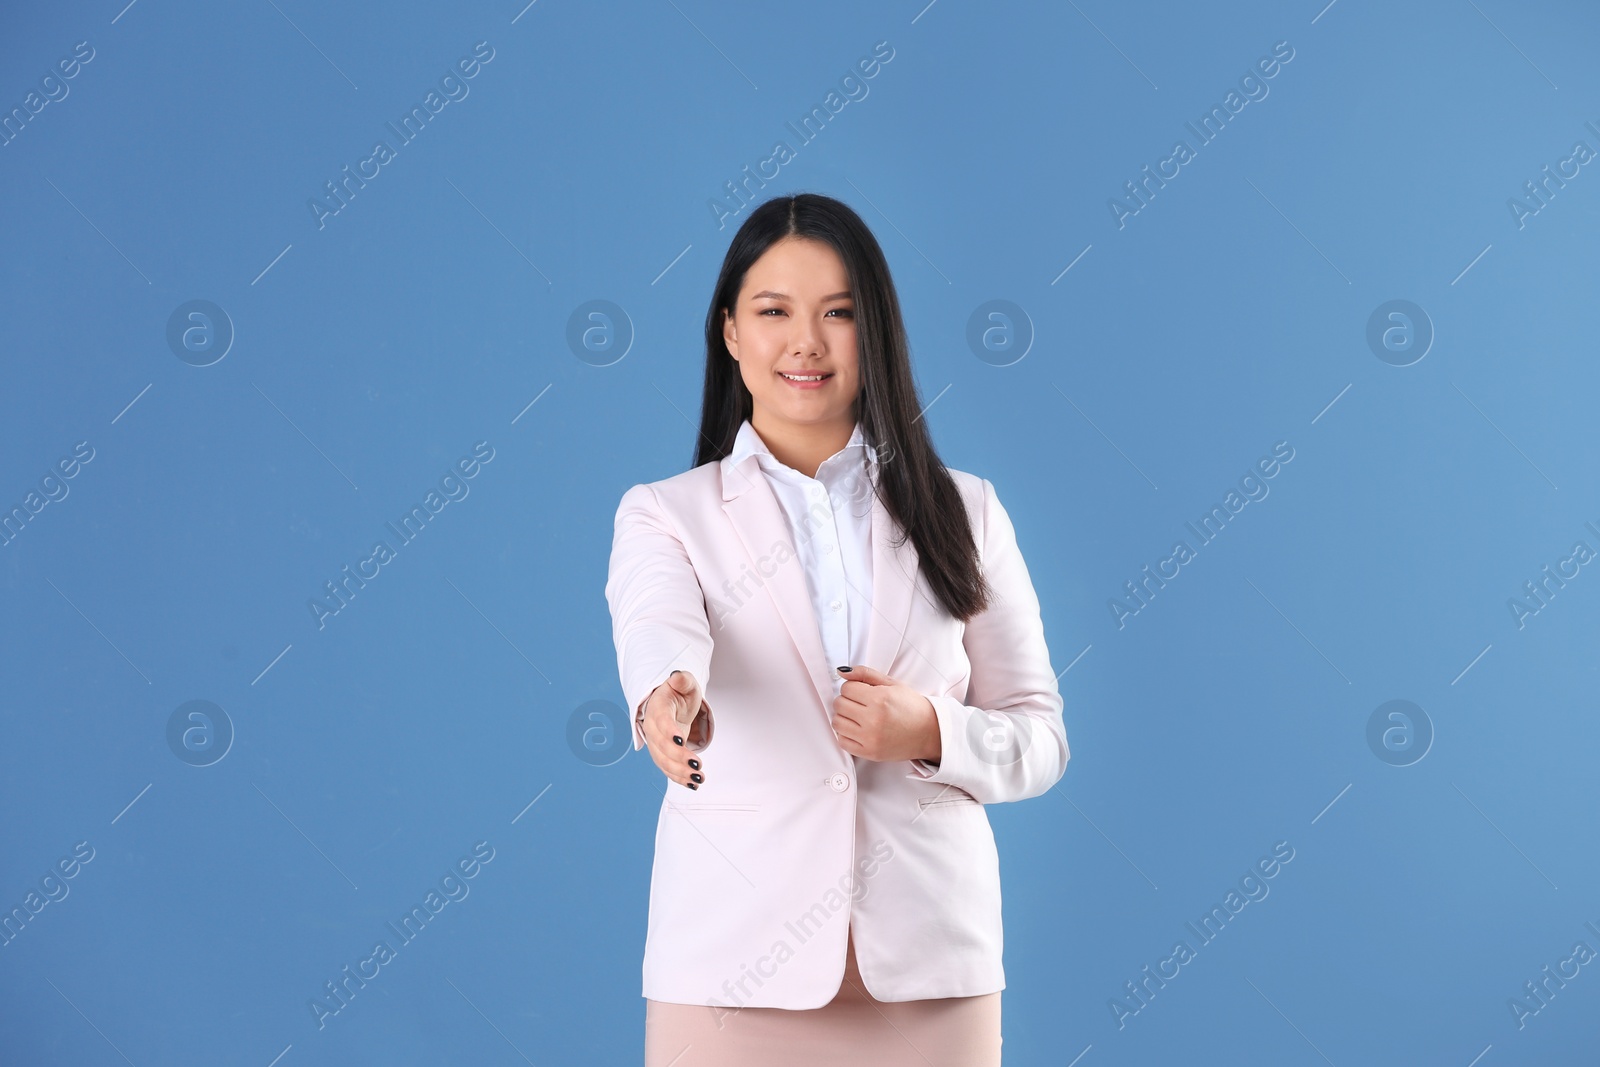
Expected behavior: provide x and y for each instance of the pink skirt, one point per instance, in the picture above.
(854, 1028)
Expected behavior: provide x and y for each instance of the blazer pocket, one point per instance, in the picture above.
(712, 806)
(949, 799)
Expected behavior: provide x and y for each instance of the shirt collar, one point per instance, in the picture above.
(748, 443)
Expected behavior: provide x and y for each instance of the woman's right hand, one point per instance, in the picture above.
(675, 722)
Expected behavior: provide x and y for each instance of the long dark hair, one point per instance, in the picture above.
(913, 483)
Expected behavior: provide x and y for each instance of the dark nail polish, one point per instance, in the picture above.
(695, 764)
(845, 670)
(696, 778)
(677, 740)
(693, 786)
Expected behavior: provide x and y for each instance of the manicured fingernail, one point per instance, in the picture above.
(677, 740)
(693, 786)
(695, 764)
(846, 670)
(696, 778)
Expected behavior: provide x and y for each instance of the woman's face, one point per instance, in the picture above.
(794, 315)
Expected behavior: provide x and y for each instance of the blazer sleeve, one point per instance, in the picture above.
(658, 611)
(1010, 743)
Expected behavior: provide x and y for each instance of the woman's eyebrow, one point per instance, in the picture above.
(784, 296)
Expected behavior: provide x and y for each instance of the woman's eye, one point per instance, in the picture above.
(844, 311)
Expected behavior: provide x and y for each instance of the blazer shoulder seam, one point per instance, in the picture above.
(666, 493)
(690, 478)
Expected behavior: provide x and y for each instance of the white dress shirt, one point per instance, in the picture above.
(830, 519)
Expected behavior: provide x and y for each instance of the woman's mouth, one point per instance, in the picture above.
(813, 380)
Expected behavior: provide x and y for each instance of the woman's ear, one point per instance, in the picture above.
(730, 336)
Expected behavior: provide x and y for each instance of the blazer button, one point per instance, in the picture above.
(838, 782)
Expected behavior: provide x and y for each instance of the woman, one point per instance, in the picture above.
(834, 653)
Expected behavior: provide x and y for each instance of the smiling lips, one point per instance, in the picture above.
(812, 380)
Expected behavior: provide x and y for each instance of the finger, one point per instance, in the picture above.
(869, 675)
(856, 692)
(693, 776)
(688, 763)
(683, 769)
(686, 771)
(683, 683)
(680, 764)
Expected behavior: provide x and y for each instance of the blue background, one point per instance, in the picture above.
(435, 710)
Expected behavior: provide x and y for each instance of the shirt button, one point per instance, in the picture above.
(836, 605)
(827, 550)
(838, 782)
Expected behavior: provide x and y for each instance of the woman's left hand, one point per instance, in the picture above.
(877, 718)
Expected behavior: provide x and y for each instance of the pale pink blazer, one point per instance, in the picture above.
(791, 840)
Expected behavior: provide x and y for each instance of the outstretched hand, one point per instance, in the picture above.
(878, 718)
(676, 723)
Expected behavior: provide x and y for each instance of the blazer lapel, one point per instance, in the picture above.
(894, 578)
(764, 533)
